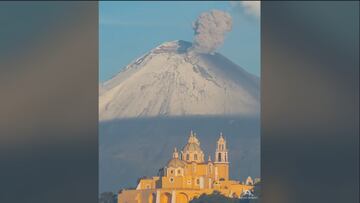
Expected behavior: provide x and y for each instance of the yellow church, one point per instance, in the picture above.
(187, 175)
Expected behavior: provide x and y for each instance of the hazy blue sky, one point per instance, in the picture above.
(130, 29)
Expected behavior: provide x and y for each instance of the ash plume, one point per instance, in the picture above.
(210, 29)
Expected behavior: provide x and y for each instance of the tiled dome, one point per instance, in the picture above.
(192, 147)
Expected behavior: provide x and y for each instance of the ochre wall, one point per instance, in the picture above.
(181, 195)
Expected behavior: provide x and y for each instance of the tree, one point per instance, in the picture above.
(217, 197)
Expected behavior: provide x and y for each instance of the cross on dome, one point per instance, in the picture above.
(193, 139)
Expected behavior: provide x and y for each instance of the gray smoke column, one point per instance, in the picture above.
(210, 29)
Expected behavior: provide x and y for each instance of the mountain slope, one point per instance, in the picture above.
(172, 80)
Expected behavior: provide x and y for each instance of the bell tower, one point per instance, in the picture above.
(221, 164)
(221, 153)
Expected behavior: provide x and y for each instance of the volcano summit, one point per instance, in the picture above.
(174, 80)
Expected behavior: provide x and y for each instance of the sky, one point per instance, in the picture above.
(130, 29)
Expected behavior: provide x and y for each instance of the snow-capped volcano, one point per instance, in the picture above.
(173, 80)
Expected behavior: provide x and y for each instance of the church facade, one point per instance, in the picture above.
(188, 175)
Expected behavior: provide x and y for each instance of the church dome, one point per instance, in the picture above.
(193, 144)
(192, 151)
(192, 147)
(175, 163)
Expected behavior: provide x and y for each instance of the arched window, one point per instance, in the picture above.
(219, 157)
(187, 157)
(195, 156)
